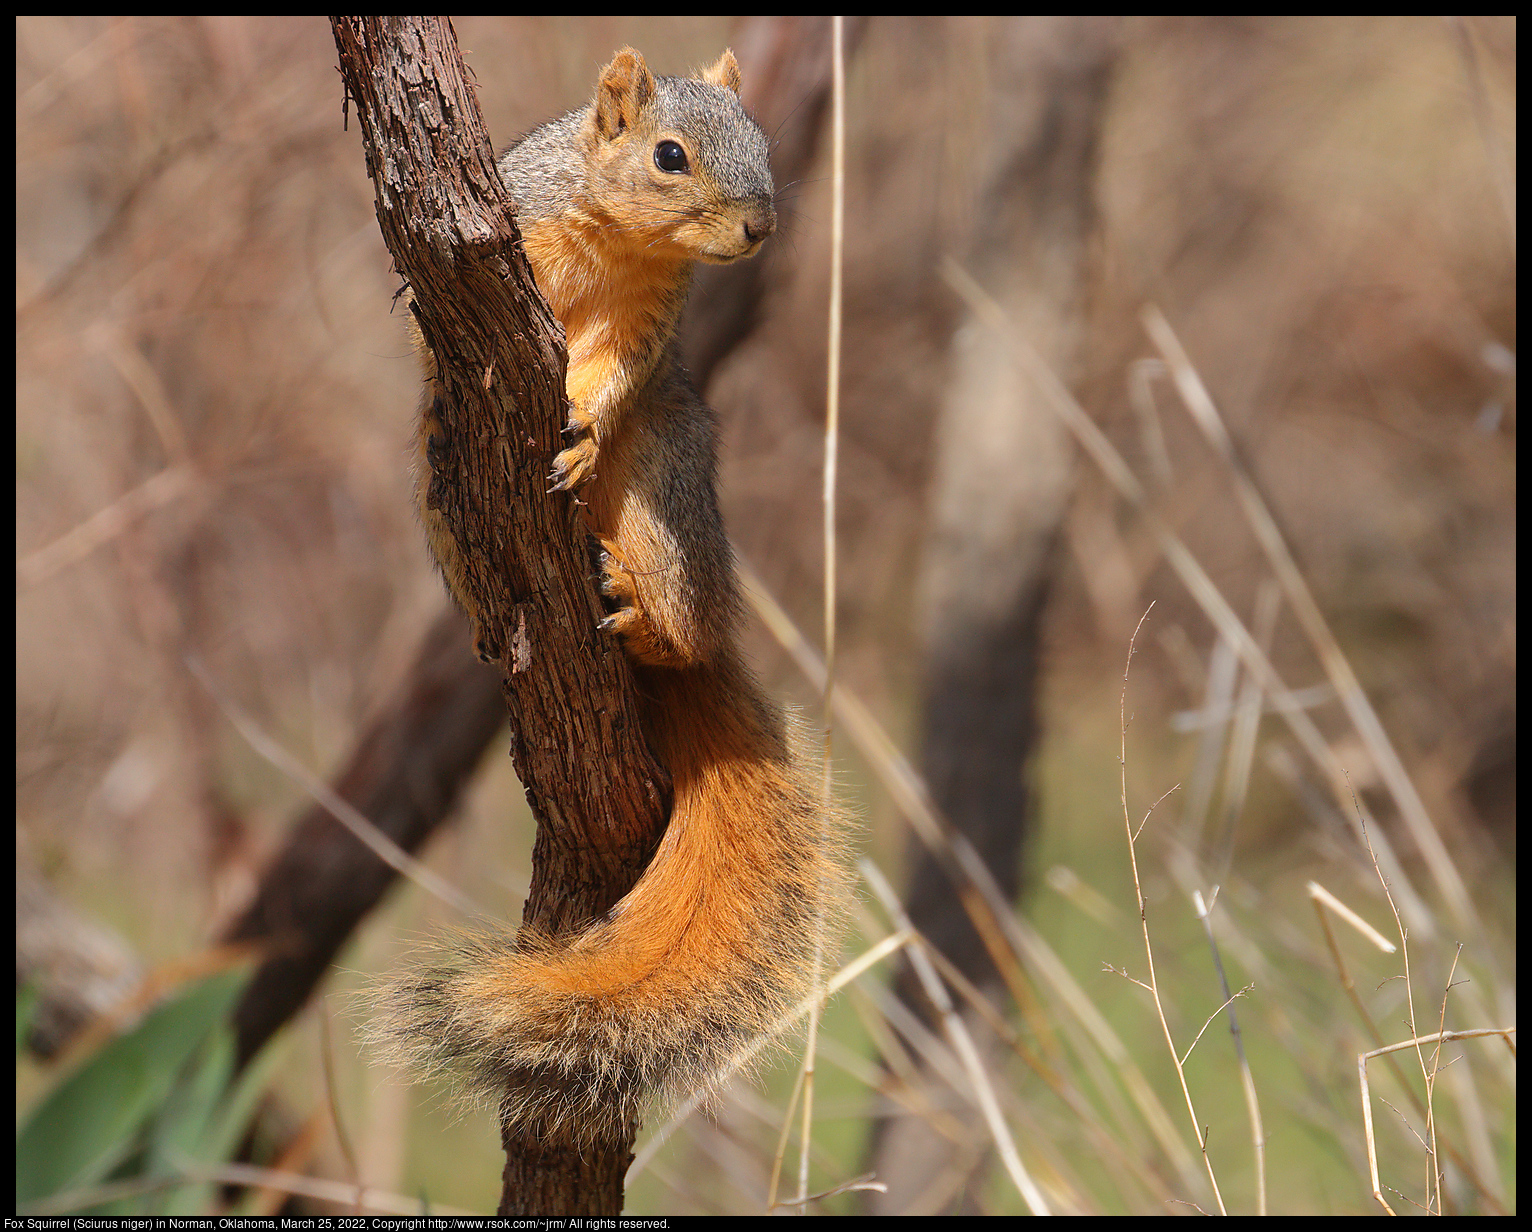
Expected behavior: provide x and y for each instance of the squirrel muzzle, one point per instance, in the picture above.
(754, 223)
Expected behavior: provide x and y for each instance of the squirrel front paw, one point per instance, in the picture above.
(573, 466)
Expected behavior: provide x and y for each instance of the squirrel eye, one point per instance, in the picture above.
(669, 156)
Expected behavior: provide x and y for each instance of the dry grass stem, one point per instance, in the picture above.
(296, 1184)
(851, 971)
(1212, 1018)
(75, 544)
(1482, 1171)
(1051, 1073)
(1011, 941)
(783, 1134)
(343, 811)
(1247, 720)
(332, 1101)
(962, 1044)
(1199, 403)
(852, 1186)
(1428, 1070)
(1143, 915)
(1415, 1042)
(987, 907)
(215, 403)
(1246, 1075)
(832, 440)
(1323, 899)
(1190, 571)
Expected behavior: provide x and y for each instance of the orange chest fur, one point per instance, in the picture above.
(614, 299)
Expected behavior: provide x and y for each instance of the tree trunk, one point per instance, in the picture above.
(600, 798)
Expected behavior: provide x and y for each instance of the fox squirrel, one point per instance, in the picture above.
(717, 940)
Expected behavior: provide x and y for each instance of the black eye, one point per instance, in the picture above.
(669, 156)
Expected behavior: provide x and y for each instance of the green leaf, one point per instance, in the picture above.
(93, 1120)
(179, 1136)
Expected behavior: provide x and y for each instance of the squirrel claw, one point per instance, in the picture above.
(621, 624)
(572, 467)
(615, 581)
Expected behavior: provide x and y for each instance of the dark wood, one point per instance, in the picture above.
(1047, 82)
(599, 796)
(411, 761)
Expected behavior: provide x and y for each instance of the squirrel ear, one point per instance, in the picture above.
(626, 85)
(725, 73)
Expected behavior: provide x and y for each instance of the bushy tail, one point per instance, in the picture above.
(713, 946)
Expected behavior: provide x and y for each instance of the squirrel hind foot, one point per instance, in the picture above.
(640, 641)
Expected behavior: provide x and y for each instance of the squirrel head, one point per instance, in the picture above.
(679, 160)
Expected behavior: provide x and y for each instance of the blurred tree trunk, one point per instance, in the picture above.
(1001, 484)
(405, 775)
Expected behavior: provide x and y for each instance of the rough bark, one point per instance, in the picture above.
(411, 763)
(599, 796)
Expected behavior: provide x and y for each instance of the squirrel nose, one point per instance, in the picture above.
(760, 226)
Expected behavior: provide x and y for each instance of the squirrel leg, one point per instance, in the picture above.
(640, 636)
(596, 387)
(433, 457)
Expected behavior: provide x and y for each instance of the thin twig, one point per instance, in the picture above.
(1325, 903)
(780, 1153)
(1179, 557)
(1409, 1002)
(75, 544)
(1416, 1043)
(1143, 915)
(866, 1181)
(852, 970)
(1433, 1159)
(1010, 940)
(1323, 899)
(1048, 1072)
(1246, 1075)
(1204, 412)
(332, 1098)
(338, 1192)
(832, 442)
(1212, 1018)
(1242, 736)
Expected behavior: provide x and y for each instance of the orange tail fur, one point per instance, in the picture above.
(713, 946)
